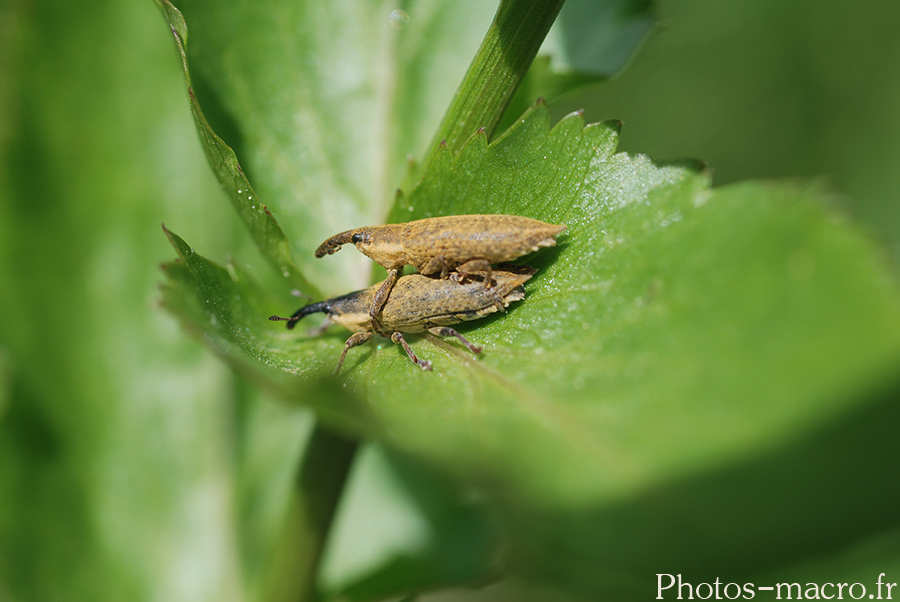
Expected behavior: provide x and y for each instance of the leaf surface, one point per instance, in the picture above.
(675, 331)
(682, 350)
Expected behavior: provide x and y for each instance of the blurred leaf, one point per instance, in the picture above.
(5, 380)
(268, 236)
(596, 38)
(590, 41)
(770, 89)
(675, 331)
(545, 82)
(114, 445)
(412, 532)
(862, 562)
(789, 505)
(324, 103)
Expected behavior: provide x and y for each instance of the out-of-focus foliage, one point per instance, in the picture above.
(117, 467)
(770, 89)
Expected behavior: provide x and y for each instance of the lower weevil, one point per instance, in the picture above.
(418, 303)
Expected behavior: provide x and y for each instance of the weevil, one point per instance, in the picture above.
(468, 244)
(418, 303)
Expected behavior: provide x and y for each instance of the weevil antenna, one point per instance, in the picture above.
(321, 306)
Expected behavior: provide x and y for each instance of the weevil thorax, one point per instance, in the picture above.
(352, 310)
(383, 244)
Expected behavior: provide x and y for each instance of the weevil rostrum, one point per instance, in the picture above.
(418, 303)
(468, 244)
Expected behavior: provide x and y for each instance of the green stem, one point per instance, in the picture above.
(318, 489)
(508, 49)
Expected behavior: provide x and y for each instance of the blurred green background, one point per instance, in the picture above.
(771, 89)
(133, 465)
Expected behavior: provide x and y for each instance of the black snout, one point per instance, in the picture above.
(321, 306)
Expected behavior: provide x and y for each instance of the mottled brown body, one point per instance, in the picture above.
(468, 244)
(436, 244)
(419, 303)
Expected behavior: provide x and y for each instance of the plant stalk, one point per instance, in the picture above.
(508, 49)
(318, 488)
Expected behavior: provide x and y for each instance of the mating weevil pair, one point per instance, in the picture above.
(447, 252)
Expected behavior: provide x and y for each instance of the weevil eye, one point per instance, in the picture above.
(356, 238)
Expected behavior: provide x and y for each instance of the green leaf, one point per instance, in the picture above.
(862, 562)
(266, 233)
(325, 102)
(115, 472)
(674, 332)
(407, 531)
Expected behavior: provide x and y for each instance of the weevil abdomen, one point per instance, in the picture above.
(462, 238)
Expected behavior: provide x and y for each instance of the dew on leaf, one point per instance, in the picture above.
(399, 19)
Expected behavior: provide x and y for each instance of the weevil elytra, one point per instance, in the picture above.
(467, 244)
(418, 303)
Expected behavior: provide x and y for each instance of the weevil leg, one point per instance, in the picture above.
(444, 331)
(398, 338)
(318, 330)
(435, 265)
(480, 266)
(381, 298)
(474, 266)
(355, 340)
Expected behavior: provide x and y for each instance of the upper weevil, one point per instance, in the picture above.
(437, 245)
(418, 303)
